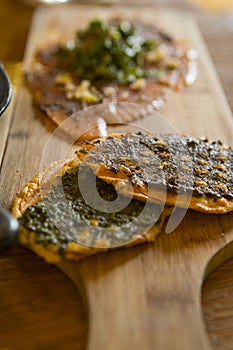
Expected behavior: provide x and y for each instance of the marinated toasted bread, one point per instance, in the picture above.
(56, 221)
(195, 172)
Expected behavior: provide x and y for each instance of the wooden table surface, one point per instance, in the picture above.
(56, 304)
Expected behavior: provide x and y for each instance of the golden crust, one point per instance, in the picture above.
(56, 98)
(30, 195)
(118, 178)
(33, 192)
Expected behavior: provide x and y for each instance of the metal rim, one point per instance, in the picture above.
(5, 89)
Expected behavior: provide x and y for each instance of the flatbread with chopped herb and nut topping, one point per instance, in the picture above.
(194, 171)
(109, 61)
(56, 222)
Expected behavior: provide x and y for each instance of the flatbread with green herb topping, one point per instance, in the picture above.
(56, 222)
(109, 61)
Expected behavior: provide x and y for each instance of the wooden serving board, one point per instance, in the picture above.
(146, 297)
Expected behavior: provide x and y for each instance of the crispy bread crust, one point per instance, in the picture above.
(53, 99)
(32, 193)
(119, 174)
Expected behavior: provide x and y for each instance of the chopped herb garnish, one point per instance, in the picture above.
(106, 51)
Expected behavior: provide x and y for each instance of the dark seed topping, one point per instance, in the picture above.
(176, 162)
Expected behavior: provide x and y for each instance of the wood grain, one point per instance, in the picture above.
(134, 281)
(218, 307)
(40, 300)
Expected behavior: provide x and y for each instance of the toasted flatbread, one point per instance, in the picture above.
(56, 222)
(179, 170)
(172, 63)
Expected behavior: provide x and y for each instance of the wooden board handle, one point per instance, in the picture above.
(138, 301)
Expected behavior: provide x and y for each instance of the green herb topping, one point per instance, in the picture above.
(64, 217)
(107, 51)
